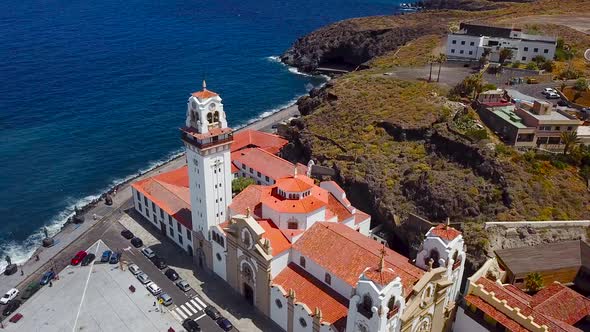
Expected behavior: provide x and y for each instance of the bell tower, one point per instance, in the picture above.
(207, 139)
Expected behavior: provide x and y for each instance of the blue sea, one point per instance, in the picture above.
(94, 91)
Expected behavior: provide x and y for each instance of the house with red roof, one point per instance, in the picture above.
(491, 302)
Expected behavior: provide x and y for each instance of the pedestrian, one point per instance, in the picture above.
(50, 284)
(154, 304)
(37, 257)
(94, 216)
(22, 273)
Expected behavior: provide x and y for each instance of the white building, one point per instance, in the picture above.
(472, 41)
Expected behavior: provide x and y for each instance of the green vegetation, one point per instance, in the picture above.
(241, 183)
(533, 282)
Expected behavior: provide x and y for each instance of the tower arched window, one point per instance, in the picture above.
(365, 306)
(302, 261)
(216, 116)
(210, 117)
(328, 278)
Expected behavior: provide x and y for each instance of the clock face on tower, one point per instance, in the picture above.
(212, 106)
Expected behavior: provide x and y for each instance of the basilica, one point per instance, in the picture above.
(294, 246)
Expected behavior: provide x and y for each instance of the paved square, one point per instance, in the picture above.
(93, 298)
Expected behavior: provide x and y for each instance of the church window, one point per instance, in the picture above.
(292, 225)
(365, 306)
(243, 166)
(210, 117)
(145, 201)
(179, 238)
(218, 256)
(251, 170)
(434, 255)
(267, 179)
(302, 261)
(302, 322)
(188, 235)
(328, 278)
(216, 116)
(154, 207)
(137, 194)
(247, 273)
(246, 238)
(279, 303)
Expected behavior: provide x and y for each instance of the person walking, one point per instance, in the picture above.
(50, 284)
(37, 257)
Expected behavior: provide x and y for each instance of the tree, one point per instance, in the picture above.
(581, 84)
(532, 66)
(569, 140)
(547, 66)
(539, 59)
(241, 183)
(533, 281)
(505, 54)
(441, 59)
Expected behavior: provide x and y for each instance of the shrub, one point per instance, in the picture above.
(477, 134)
(558, 164)
(581, 84)
(570, 74)
(547, 66)
(532, 66)
(489, 86)
(239, 184)
(516, 64)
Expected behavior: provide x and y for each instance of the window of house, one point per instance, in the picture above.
(302, 322)
(292, 225)
(154, 207)
(218, 256)
(554, 140)
(461, 52)
(251, 170)
(526, 49)
(462, 42)
(524, 58)
(170, 231)
(472, 43)
(536, 50)
(302, 261)
(243, 166)
(557, 128)
(470, 52)
(145, 201)
(570, 128)
(453, 50)
(178, 227)
(454, 42)
(545, 51)
(328, 278)
(188, 235)
(138, 195)
(161, 213)
(279, 303)
(179, 238)
(259, 175)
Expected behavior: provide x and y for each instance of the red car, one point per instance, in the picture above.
(79, 257)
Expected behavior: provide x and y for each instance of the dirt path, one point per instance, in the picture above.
(580, 23)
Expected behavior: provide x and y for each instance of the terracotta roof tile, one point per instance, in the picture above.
(360, 216)
(204, 94)
(314, 293)
(346, 253)
(170, 192)
(278, 242)
(295, 184)
(266, 163)
(501, 318)
(212, 132)
(249, 198)
(445, 232)
(336, 208)
(258, 139)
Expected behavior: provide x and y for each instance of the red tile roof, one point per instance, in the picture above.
(346, 253)
(335, 208)
(360, 216)
(266, 163)
(204, 94)
(314, 293)
(258, 139)
(295, 184)
(317, 199)
(501, 318)
(278, 242)
(249, 198)
(445, 232)
(556, 306)
(212, 132)
(170, 192)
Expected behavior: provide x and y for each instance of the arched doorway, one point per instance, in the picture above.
(249, 293)
(200, 258)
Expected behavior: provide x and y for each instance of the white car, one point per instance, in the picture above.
(552, 95)
(153, 288)
(149, 253)
(143, 278)
(11, 294)
(183, 285)
(549, 90)
(134, 269)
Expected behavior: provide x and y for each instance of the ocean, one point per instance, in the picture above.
(94, 92)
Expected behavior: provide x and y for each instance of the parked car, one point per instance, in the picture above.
(191, 326)
(47, 277)
(165, 298)
(183, 285)
(149, 253)
(159, 262)
(11, 294)
(154, 288)
(106, 256)
(171, 274)
(31, 289)
(562, 102)
(11, 307)
(532, 81)
(115, 258)
(10, 269)
(548, 90)
(225, 324)
(88, 259)
(143, 278)
(212, 312)
(127, 234)
(134, 269)
(552, 95)
(137, 242)
(79, 257)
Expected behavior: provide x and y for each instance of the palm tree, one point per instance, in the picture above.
(441, 59)
(475, 84)
(505, 54)
(533, 281)
(431, 60)
(569, 140)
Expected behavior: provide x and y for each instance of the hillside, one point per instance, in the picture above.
(401, 147)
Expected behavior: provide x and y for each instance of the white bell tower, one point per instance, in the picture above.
(207, 139)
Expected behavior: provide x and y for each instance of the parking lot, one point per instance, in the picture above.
(93, 298)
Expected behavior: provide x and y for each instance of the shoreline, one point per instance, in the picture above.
(262, 123)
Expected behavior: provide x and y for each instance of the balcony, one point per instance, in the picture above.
(205, 145)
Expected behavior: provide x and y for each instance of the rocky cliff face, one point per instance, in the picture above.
(350, 43)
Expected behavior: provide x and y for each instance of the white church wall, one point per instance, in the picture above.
(278, 314)
(337, 284)
(302, 321)
(279, 262)
(365, 227)
(219, 260)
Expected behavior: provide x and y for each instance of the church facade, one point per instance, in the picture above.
(297, 249)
